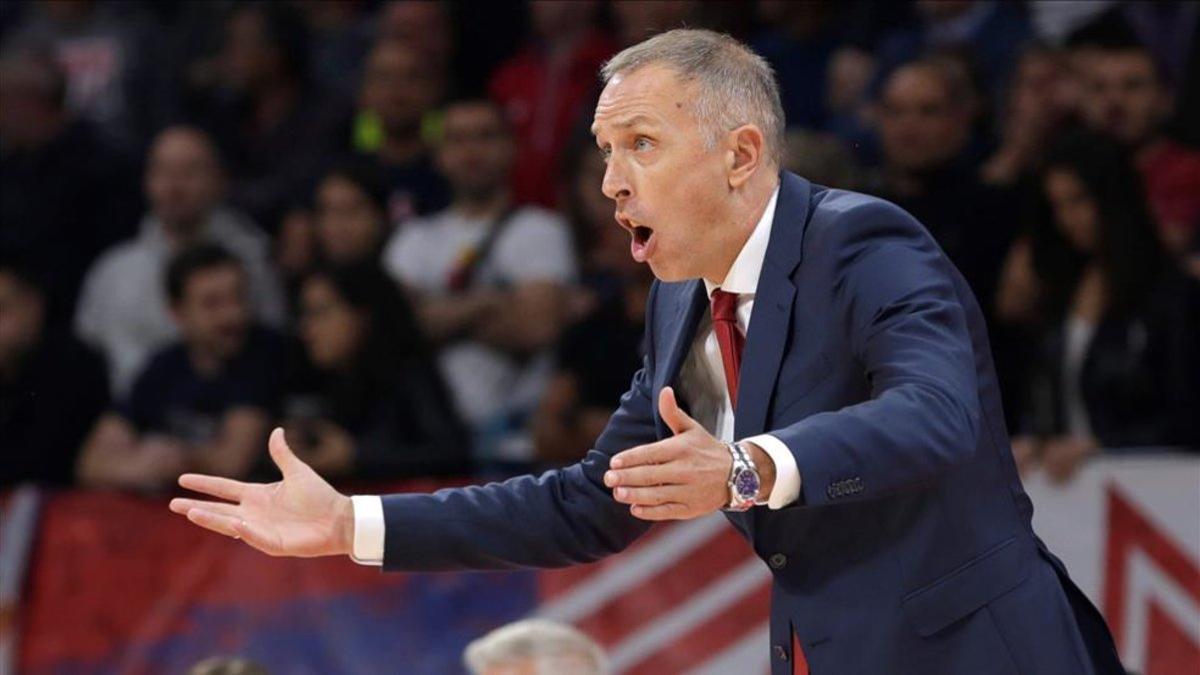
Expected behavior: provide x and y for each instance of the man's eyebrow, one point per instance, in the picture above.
(629, 122)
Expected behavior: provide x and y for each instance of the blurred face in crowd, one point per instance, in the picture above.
(476, 149)
(30, 111)
(332, 330)
(555, 21)
(213, 311)
(249, 58)
(672, 186)
(398, 87)
(637, 21)
(1040, 92)
(1123, 96)
(21, 314)
(920, 126)
(1074, 209)
(183, 180)
(349, 226)
(422, 25)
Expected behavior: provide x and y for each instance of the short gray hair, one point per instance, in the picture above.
(734, 85)
(554, 648)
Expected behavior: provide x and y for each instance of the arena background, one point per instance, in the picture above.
(349, 158)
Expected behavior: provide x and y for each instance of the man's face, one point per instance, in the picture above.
(248, 59)
(183, 181)
(20, 318)
(397, 87)
(476, 150)
(920, 127)
(669, 187)
(213, 313)
(1122, 95)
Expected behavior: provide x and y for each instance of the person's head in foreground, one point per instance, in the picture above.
(692, 129)
(535, 647)
(207, 289)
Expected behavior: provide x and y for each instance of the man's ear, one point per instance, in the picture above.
(747, 146)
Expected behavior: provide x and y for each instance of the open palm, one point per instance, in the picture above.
(301, 515)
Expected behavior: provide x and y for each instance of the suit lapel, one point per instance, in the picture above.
(690, 305)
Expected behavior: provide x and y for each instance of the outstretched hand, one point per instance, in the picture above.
(300, 515)
(681, 477)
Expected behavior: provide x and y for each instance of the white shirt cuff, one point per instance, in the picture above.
(368, 529)
(787, 474)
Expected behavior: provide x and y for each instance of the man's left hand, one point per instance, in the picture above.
(682, 477)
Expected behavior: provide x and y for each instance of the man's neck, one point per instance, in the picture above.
(401, 147)
(483, 206)
(731, 246)
(182, 233)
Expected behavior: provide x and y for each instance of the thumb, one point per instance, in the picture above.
(282, 455)
(668, 408)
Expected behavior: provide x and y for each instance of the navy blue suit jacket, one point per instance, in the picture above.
(910, 549)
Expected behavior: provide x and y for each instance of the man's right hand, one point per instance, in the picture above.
(301, 515)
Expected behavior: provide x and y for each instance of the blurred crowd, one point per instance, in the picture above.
(379, 224)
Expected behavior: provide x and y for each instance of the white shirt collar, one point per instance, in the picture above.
(743, 275)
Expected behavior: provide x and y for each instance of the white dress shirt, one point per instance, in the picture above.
(702, 381)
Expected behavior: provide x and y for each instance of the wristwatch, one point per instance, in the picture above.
(744, 482)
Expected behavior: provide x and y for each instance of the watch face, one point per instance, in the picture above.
(746, 484)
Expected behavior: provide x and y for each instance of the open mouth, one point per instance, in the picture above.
(642, 241)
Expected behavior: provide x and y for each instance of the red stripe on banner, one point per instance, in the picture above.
(645, 601)
(710, 637)
(1130, 530)
(553, 583)
(1170, 651)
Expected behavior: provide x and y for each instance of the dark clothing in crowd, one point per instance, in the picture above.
(61, 205)
(170, 397)
(401, 417)
(801, 67)
(47, 409)
(604, 350)
(1140, 379)
(413, 189)
(971, 221)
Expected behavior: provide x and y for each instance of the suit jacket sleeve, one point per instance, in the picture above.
(563, 517)
(896, 297)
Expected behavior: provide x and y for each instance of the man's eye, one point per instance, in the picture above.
(641, 143)
(605, 153)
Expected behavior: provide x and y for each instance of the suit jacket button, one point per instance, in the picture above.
(781, 653)
(777, 561)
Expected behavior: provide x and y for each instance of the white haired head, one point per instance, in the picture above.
(535, 646)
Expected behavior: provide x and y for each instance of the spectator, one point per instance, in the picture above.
(64, 194)
(543, 90)
(52, 388)
(1126, 97)
(124, 311)
(925, 133)
(1116, 325)
(599, 352)
(489, 278)
(397, 93)
(989, 33)
(202, 404)
(340, 35)
(349, 222)
(424, 26)
(263, 103)
(535, 646)
(637, 21)
(799, 42)
(369, 399)
(1041, 101)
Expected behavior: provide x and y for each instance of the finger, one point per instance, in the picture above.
(672, 511)
(217, 522)
(216, 486)
(257, 537)
(182, 506)
(282, 455)
(660, 452)
(639, 476)
(649, 496)
(672, 414)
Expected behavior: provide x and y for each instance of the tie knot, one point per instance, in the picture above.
(724, 306)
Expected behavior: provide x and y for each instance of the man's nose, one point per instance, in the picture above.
(615, 186)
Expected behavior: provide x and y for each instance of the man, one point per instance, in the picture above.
(38, 364)
(123, 309)
(489, 279)
(1126, 97)
(204, 402)
(534, 647)
(894, 523)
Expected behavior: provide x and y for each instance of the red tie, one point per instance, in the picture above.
(732, 343)
(729, 338)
